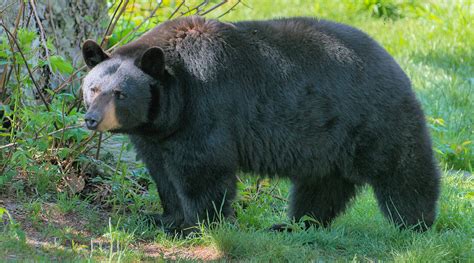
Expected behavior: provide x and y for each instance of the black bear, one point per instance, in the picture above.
(318, 102)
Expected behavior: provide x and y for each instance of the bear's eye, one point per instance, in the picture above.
(119, 94)
(95, 89)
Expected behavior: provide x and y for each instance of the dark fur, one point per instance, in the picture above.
(315, 101)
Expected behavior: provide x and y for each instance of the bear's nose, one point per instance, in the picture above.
(91, 120)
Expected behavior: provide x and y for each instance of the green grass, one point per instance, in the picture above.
(361, 234)
(434, 43)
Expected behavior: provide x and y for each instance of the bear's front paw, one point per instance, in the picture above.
(166, 221)
(281, 228)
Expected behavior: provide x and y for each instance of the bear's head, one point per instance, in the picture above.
(121, 93)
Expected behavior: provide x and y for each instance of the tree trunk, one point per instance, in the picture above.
(72, 22)
(66, 25)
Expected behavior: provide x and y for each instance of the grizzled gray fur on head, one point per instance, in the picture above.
(315, 101)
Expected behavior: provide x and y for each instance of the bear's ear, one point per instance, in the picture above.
(93, 53)
(152, 62)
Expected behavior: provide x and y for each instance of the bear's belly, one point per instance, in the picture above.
(289, 156)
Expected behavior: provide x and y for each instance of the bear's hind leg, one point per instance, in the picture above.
(322, 198)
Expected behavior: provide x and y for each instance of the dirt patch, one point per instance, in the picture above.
(70, 229)
(36, 225)
(175, 253)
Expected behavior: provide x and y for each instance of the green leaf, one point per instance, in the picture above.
(64, 152)
(59, 64)
(2, 211)
(26, 37)
(4, 53)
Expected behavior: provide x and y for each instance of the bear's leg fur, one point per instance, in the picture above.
(206, 193)
(408, 196)
(172, 216)
(322, 198)
(408, 192)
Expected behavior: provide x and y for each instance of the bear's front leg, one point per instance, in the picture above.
(206, 192)
(172, 216)
(202, 167)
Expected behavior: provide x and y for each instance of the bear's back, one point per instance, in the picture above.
(288, 91)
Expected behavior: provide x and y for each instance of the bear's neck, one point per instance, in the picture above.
(166, 115)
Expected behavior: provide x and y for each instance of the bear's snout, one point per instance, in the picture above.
(92, 120)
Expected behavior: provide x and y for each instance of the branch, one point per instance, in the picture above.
(176, 9)
(230, 9)
(42, 34)
(6, 7)
(214, 7)
(111, 26)
(110, 22)
(135, 29)
(197, 8)
(49, 134)
(6, 69)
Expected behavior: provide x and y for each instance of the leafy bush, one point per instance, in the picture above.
(40, 143)
(43, 147)
(392, 9)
